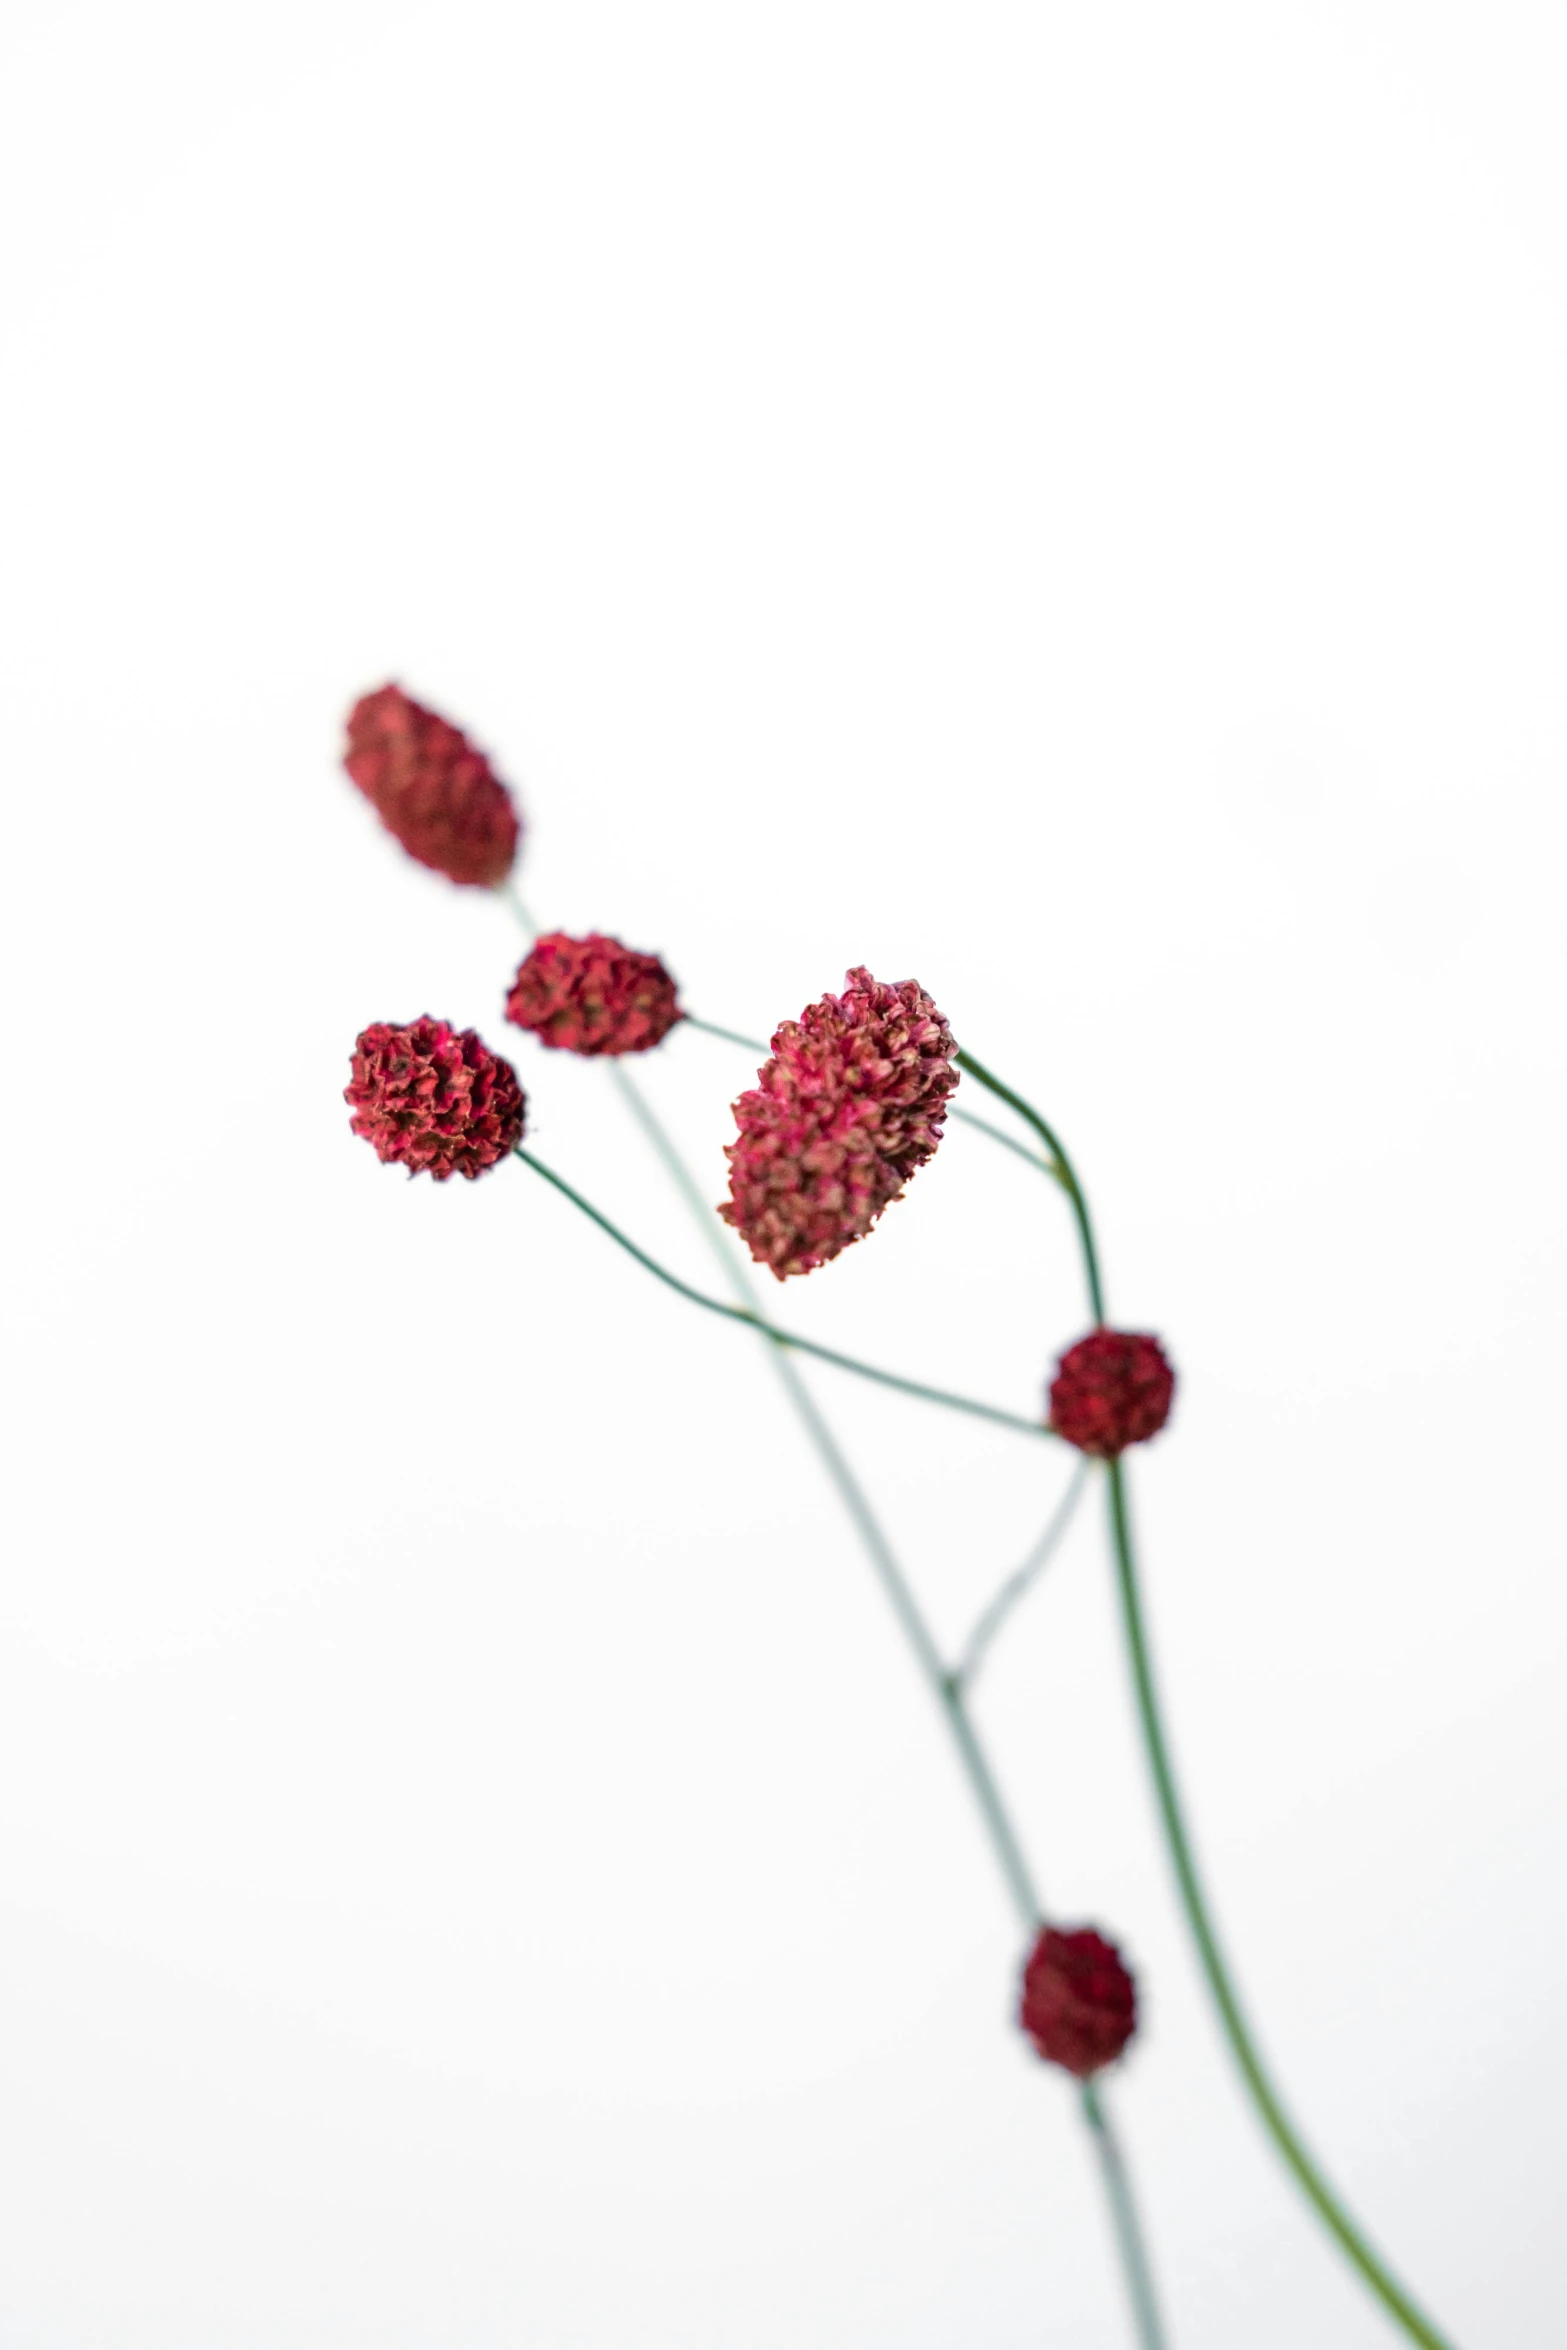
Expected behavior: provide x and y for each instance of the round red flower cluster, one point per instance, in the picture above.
(1079, 2003)
(1112, 1389)
(592, 995)
(851, 1103)
(434, 1099)
(431, 789)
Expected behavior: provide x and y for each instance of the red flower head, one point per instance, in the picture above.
(1079, 2004)
(434, 1099)
(852, 1101)
(592, 995)
(431, 789)
(1111, 1389)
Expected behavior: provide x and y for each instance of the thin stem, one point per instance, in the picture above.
(507, 891)
(750, 1044)
(1066, 1171)
(948, 1688)
(945, 1687)
(1017, 1585)
(1123, 2211)
(1264, 2096)
(808, 1346)
(855, 1500)
(1009, 1142)
(1020, 1884)
(680, 1175)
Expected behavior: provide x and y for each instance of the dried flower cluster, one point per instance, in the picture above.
(851, 1103)
(1079, 2003)
(434, 1099)
(1112, 1389)
(431, 789)
(592, 995)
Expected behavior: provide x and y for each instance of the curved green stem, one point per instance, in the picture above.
(789, 1338)
(1018, 1585)
(1066, 1172)
(1236, 2029)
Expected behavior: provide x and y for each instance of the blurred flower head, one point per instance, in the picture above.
(1112, 1389)
(431, 789)
(592, 995)
(434, 1099)
(851, 1103)
(1079, 2003)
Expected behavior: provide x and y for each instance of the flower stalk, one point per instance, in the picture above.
(785, 1338)
(1237, 2031)
(1060, 1166)
(947, 1686)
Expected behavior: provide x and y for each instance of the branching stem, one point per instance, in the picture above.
(1018, 1585)
(946, 1687)
(789, 1338)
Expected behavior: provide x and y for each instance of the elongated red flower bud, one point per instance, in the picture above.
(1079, 2003)
(592, 995)
(434, 1099)
(851, 1103)
(431, 789)
(1112, 1389)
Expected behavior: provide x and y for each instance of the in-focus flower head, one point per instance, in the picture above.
(592, 995)
(1079, 2003)
(431, 789)
(1112, 1389)
(852, 1102)
(434, 1099)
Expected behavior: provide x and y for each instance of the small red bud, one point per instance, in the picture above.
(1079, 2003)
(1112, 1389)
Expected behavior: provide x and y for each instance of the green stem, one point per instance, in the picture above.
(1123, 2211)
(508, 893)
(1392, 2295)
(852, 1494)
(1018, 1585)
(750, 1044)
(946, 1687)
(1066, 1172)
(754, 1321)
(1009, 1142)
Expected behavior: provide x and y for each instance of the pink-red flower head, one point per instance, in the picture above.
(434, 1099)
(1112, 1389)
(1079, 2003)
(431, 789)
(852, 1101)
(592, 995)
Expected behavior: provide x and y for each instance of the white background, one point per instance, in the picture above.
(1066, 502)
